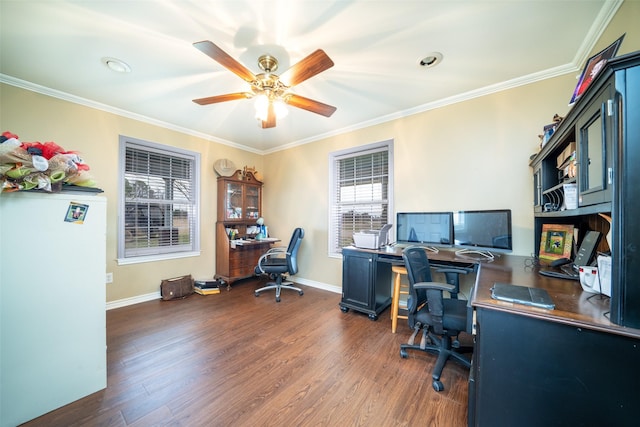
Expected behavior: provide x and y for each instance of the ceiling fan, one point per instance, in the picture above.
(270, 89)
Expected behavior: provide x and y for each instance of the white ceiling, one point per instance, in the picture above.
(55, 47)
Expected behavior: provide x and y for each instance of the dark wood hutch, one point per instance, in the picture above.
(602, 129)
(239, 207)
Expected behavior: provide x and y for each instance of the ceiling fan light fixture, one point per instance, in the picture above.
(431, 60)
(280, 108)
(270, 92)
(262, 107)
(116, 65)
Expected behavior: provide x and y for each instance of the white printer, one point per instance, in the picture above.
(372, 239)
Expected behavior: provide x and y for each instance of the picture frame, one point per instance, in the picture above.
(593, 67)
(76, 213)
(556, 242)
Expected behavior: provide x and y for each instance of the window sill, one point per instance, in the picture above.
(159, 257)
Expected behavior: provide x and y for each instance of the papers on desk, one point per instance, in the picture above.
(235, 243)
(240, 242)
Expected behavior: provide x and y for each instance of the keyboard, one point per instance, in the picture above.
(569, 275)
(452, 264)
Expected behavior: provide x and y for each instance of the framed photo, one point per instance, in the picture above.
(594, 65)
(556, 241)
(76, 212)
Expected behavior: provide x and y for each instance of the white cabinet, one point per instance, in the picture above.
(52, 302)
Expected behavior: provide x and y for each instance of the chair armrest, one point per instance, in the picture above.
(275, 252)
(276, 249)
(438, 286)
(452, 270)
(452, 276)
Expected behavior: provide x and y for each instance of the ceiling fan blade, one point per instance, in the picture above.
(271, 117)
(311, 105)
(219, 55)
(222, 98)
(313, 64)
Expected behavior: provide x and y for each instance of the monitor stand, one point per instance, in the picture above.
(466, 252)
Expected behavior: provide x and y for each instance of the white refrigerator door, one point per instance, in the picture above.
(53, 299)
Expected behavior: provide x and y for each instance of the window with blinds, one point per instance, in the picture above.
(361, 187)
(159, 200)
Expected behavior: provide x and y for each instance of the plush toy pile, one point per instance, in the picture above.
(36, 165)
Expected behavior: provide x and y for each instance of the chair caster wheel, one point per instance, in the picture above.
(257, 294)
(373, 317)
(437, 385)
(277, 299)
(300, 293)
(403, 354)
(344, 309)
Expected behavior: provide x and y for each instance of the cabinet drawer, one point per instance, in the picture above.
(243, 259)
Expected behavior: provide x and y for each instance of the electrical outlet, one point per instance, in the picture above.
(109, 278)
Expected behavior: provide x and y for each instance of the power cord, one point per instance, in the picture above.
(531, 263)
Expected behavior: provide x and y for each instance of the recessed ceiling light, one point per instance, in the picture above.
(431, 60)
(116, 65)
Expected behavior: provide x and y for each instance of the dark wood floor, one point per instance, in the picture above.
(236, 360)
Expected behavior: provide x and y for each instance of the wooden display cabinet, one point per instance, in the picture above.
(239, 207)
(239, 198)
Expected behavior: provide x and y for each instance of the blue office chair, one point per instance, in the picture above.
(441, 319)
(278, 262)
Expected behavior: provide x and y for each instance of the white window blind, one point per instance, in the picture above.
(361, 199)
(159, 200)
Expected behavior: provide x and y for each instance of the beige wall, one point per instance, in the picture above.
(94, 133)
(470, 155)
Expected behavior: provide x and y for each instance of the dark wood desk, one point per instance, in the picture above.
(366, 276)
(567, 366)
(236, 261)
(531, 366)
(573, 306)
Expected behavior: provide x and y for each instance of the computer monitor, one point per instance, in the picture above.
(424, 228)
(483, 231)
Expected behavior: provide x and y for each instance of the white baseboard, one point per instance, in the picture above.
(318, 285)
(133, 300)
(156, 295)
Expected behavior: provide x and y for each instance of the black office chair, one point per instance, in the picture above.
(441, 319)
(278, 262)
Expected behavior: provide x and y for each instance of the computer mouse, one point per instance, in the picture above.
(559, 262)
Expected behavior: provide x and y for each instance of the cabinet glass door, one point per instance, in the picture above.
(595, 135)
(252, 201)
(592, 148)
(233, 203)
